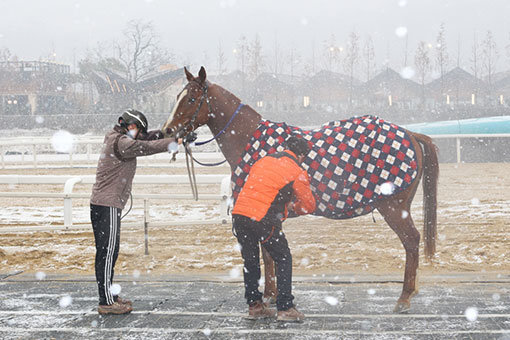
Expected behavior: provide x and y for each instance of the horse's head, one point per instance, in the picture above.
(191, 108)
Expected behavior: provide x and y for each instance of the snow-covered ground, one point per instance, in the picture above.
(472, 232)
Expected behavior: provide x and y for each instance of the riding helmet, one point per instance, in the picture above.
(134, 117)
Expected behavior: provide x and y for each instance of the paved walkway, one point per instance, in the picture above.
(182, 307)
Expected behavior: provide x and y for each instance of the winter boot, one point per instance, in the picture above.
(114, 308)
(290, 315)
(123, 301)
(260, 310)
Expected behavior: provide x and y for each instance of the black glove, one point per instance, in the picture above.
(190, 138)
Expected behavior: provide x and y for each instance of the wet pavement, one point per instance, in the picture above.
(212, 307)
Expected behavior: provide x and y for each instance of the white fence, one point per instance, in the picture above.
(36, 151)
(67, 196)
(31, 152)
(458, 138)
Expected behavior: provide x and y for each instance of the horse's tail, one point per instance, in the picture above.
(430, 179)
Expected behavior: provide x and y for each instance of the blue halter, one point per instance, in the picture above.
(217, 135)
(225, 128)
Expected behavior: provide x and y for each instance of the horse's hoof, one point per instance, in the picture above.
(270, 300)
(402, 307)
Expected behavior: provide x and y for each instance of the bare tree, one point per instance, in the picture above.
(102, 56)
(312, 60)
(241, 52)
(205, 59)
(331, 53)
(489, 58)
(221, 60)
(294, 60)
(140, 52)
(255, 58)
(507, 48)
(422, 63)
(6, 55)
(103, 50)
(441, 55)
(406, 50)
(351, 60)
(309, 66)
(457, 85)
(475, 57)
(278, 63)
(369, 57)
(458, 51)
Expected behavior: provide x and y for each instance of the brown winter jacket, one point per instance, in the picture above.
(117, 166)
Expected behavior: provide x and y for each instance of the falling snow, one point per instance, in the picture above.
(62, 141)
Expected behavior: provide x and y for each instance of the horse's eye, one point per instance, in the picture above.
(191, 100)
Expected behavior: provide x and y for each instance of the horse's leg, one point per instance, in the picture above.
(270, 278)
(398, 216)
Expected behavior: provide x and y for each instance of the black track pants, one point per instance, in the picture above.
(106, 225)
(249, 234)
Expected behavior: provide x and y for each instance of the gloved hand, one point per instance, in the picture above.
(190, 138)
(290, 210)
(173, 149)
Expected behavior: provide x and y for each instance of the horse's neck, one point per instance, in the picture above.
(235, 137)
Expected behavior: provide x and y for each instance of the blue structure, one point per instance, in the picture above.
(486, 125)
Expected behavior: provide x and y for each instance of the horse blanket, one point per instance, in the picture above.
(352, 163)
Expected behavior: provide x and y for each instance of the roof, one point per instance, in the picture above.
(267, 85)
(328, 78)
(110, 82)
(231, 81)
(160, 81)
(28, 76)
(503, 83)
(389, 82)
(456, 80)
(328, 86)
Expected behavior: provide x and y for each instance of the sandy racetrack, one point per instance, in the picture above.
(473, 235)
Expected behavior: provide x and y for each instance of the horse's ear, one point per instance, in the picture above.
(189, 76)
(202, 75)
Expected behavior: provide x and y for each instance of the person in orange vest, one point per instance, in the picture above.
(276, 184)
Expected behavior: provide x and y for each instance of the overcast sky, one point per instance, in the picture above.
(33, 29)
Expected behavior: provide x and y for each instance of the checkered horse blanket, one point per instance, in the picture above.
(352, 163)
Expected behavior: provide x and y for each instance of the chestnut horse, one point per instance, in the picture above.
(232, 125)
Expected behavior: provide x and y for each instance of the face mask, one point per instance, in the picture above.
(132, 133)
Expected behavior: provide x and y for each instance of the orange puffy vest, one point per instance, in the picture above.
(267, 177)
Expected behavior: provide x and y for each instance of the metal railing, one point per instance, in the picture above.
(33, 151)
(459, 137)
(38, 150)
(70, 181)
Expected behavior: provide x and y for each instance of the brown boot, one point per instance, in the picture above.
(124, 301)
(290, 315)
(260, 310)
(114, 308)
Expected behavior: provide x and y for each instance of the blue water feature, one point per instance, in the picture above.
(486, 125)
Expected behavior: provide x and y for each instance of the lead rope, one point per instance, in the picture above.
(130, 206)
(191, 172)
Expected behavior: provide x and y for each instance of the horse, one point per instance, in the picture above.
(234, 125)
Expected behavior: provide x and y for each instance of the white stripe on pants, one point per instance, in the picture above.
(109, 255)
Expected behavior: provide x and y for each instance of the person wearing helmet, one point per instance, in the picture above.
(276, 184)
(116, 168)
